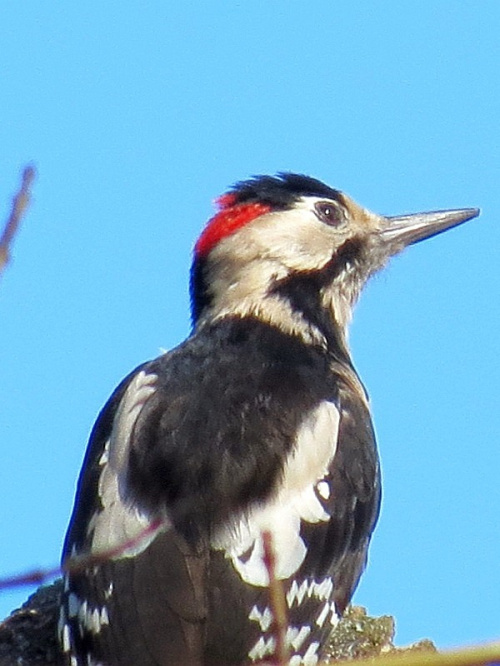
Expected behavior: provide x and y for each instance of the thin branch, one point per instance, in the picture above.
(277, 602)
(79, 563)
(33, 577)
(19, 204)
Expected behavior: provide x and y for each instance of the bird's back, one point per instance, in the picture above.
(218, 469)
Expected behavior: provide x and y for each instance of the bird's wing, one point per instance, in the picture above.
(107, 610)
(161, 450)
(350, 493)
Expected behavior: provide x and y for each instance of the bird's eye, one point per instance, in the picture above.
(328, 213)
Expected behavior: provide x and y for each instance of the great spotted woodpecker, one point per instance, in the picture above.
(258, 421)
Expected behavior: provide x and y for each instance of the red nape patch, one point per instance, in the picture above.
(226, 200)
(229, 219)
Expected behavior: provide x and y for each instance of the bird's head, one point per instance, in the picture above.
(296, 253)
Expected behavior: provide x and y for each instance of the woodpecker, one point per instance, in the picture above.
(257, 422)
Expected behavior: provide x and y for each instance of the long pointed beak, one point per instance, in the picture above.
(408, 229)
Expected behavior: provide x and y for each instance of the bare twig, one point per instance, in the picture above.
(33, 577)
(19, 205)
(277, 602)
(79, 563)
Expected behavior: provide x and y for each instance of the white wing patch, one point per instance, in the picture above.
(295, 500)
(117, 522)
(141, 388)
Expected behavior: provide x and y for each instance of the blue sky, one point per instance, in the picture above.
(137, 115)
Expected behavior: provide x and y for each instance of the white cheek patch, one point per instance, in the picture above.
(295, 500)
